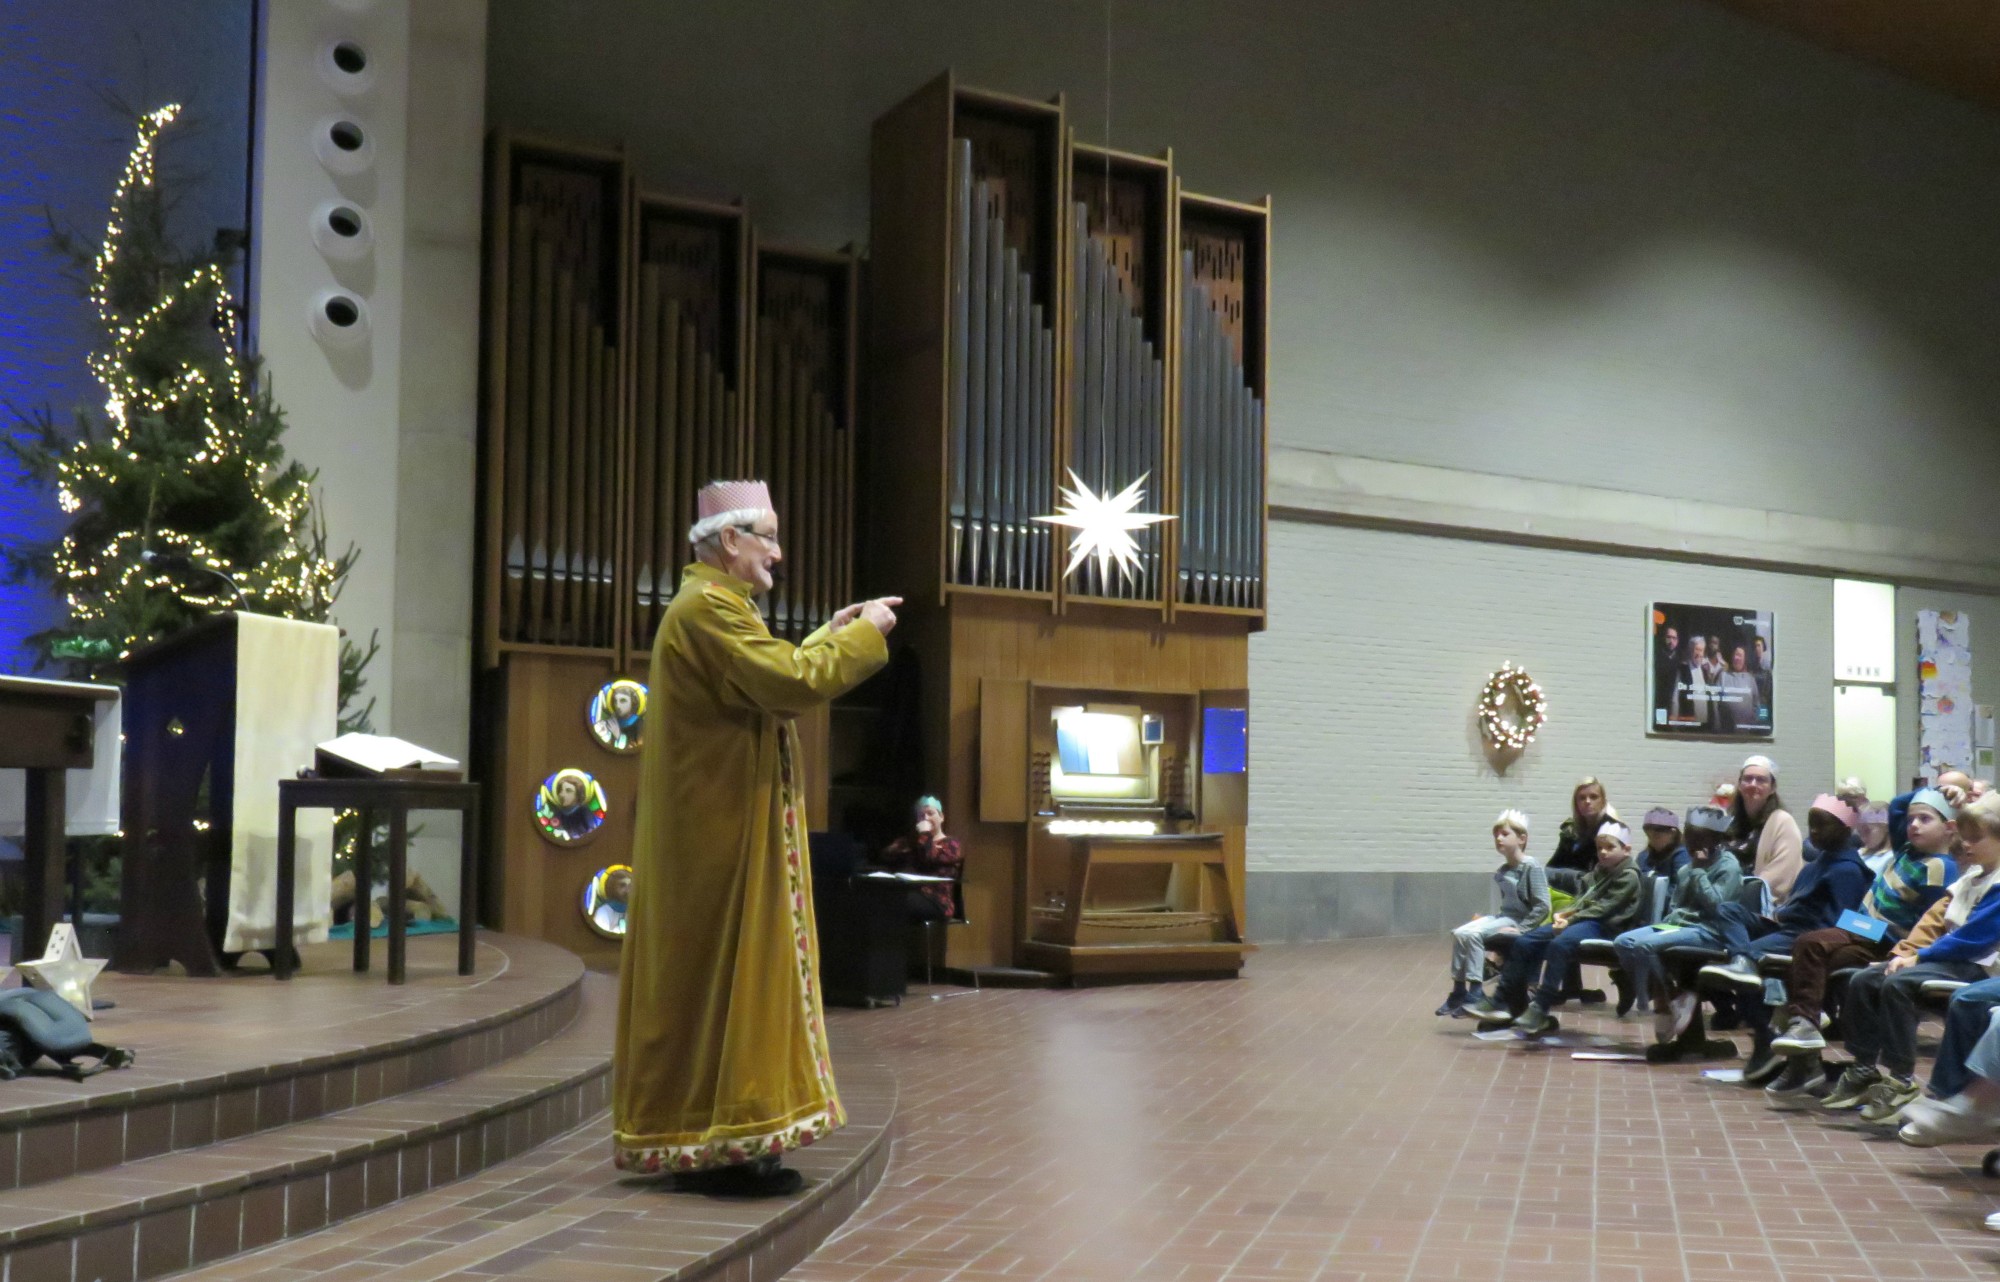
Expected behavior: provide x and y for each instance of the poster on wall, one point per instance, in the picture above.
(1709, 671)
(1945, 721)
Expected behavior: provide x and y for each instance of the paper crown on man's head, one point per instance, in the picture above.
(725, 503)
(719, 497)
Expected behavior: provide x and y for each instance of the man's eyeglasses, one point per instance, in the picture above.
(771, 539)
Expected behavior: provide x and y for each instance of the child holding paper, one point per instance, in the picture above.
(1902, 893)
(1959, 938)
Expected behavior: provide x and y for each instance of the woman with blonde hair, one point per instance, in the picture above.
(1576, 842)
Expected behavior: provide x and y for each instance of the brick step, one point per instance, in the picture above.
(562, 1212)
(162, 1214)
(219, 1059)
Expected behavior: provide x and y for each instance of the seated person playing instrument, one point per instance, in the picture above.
(1609, 898)
(1523, 888)
(927, 851)
(1707, 878)
(1959, 938)
(1903, 891)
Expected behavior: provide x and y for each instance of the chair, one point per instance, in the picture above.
(1653, 899)
(1686, 963)
(932, 929)
(1754, 895)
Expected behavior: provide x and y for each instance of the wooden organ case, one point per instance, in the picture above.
(635, 347)
(1049, 317)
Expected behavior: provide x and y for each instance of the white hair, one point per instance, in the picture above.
(710, 526)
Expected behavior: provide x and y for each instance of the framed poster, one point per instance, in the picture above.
(1708, 671)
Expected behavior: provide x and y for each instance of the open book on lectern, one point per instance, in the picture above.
(379, 756)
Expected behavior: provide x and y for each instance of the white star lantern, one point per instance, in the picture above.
(1103, 525)
(63, 969)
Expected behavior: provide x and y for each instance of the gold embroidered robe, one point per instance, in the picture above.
(721, 1054)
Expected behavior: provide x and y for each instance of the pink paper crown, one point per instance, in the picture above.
(1837, 808)
(718, 497)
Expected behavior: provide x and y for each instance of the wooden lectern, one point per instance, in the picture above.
(46, 728)
(214, 718)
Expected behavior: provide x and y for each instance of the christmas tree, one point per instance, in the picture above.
(179, 494)
(179, 497)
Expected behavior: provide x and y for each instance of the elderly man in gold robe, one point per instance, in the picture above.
(721, 1063)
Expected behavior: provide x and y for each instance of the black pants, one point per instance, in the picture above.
(922, 907)
(1880, 1012)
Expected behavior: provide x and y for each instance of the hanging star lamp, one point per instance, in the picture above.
(1103, 525)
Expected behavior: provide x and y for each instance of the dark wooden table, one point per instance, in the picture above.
(398, 797)
(46, 728)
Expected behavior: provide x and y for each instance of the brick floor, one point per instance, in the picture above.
(1313, 1120)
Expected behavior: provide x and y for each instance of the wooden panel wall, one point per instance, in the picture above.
(1091, 647)
(544, 726)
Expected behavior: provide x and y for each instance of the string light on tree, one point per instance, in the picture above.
(178, 499)
(1511, 686)
(185, 464)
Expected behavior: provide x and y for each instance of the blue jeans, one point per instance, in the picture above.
(1745, 934)
(1549, 954)
(1965, 1025)
(1639, 953)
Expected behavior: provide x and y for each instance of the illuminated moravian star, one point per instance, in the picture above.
(1104, 525)
(63, 969)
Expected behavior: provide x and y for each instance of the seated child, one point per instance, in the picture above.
(1902, 893)
(1708, 877)
(1876, 851)
(1965, 1082)
(1524, 905)
(1832, 880)
(1665, 855)
(1609, 897)
(1959, 938)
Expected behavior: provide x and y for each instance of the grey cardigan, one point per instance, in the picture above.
(1524, 892)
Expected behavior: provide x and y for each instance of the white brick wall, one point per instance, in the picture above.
(1364, 752)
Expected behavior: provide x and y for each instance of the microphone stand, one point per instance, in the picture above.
(175, 561)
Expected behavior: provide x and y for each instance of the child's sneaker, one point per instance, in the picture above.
(1889, 1098)
(1801, 1038)
(1851, 1091)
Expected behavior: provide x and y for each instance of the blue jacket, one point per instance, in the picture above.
(1669, 866)
(1976, 940)
(1828, 886)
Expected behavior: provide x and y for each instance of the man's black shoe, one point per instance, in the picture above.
(761, 1178)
